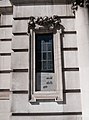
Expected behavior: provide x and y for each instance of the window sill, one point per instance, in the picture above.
(47, 95)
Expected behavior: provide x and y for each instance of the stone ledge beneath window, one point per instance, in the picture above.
(47, 96)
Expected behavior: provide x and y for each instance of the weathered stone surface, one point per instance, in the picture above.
(4, 106)
(69, 24)
(6, 19)
(20, 26)
(46, 10)
(5, 46)
(71, 78)
(66, 117)
(5, 3)
(73, 104)
(69, 41)
(5, 62)
(70, 59)
(20, 42)
(82, 26)
(20, 81)
(20, 60)
(5, 81)
(5, 33)
(5, 116)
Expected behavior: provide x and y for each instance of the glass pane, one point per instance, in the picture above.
(49, 55)
(49, 47)
(38, 65)
(50, 41)
(44, 56)
(44, 65)
(44, 47)
(38, 55)
(50, 66)
(38, 45)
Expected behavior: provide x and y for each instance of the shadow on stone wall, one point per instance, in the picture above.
(39, 2)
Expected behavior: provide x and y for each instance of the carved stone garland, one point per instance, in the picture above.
(81, 3)
(45, 22)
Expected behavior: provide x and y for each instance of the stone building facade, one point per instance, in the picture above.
(44, 60)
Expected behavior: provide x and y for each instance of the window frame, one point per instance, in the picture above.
(45, 95)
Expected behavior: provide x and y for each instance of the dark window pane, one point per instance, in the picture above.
(38, 55)
(41, 65)
(49, 55)
(50, 66)
(38, 45)
(41, 47)
(44, 56)
(50, 41)
(44, 65)
(38, 67)
(44, 52)
(49, 47)
(44, 47)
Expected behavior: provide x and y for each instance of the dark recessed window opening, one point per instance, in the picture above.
(44, 53)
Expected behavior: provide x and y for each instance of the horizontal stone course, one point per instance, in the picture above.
(73, 104)
(46, 10)
(62, 117)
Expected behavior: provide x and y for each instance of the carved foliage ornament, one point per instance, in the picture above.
(47, 22)
(81, 3)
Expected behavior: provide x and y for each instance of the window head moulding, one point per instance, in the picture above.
(49, 23)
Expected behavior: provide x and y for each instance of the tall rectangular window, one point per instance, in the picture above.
(44, 53)
(44, 63)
